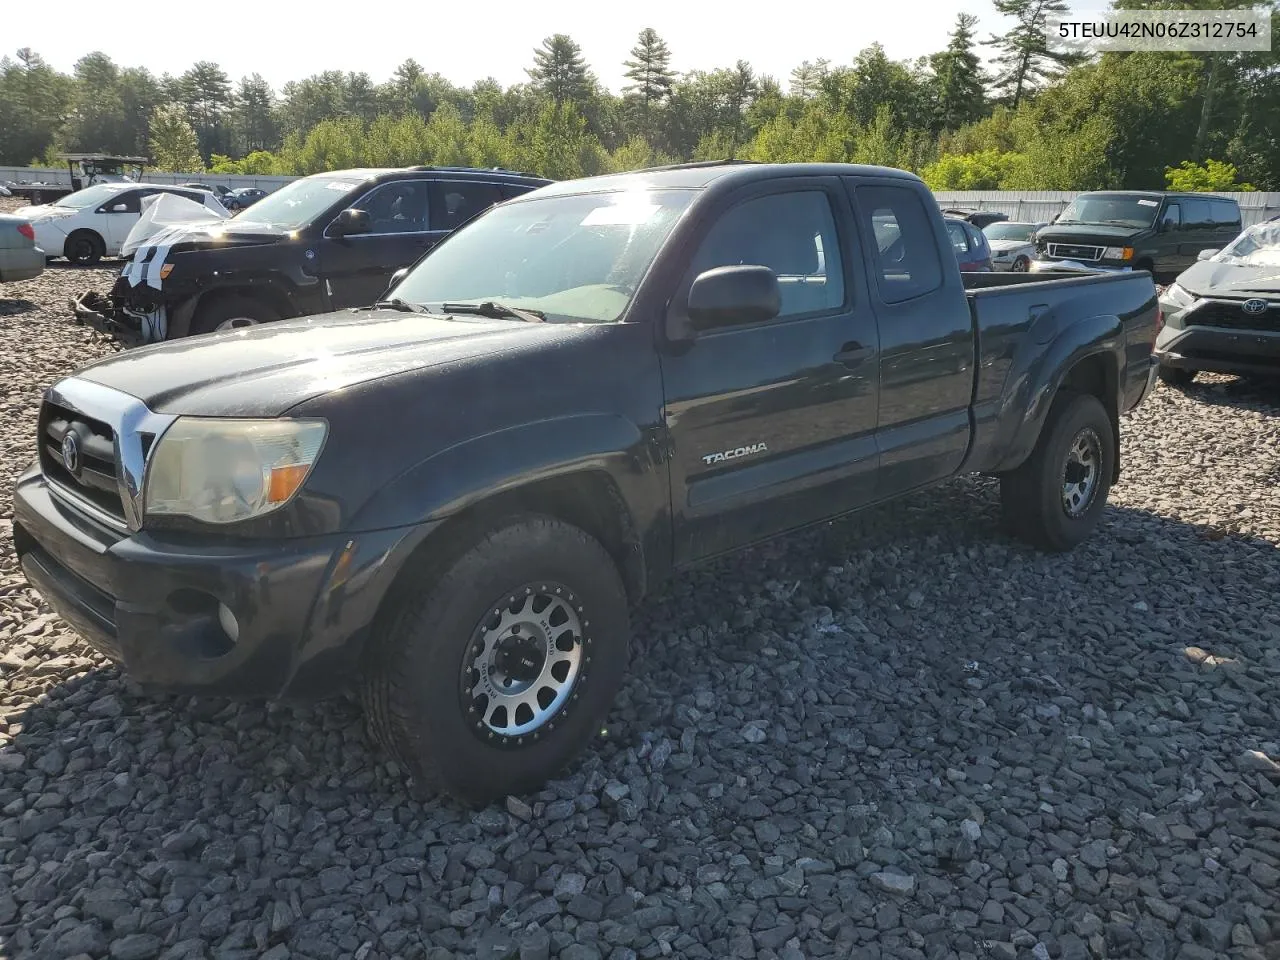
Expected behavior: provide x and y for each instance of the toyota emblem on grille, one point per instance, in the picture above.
(1254, 306)
(71, 453)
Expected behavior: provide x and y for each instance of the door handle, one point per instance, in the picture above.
(852, 354)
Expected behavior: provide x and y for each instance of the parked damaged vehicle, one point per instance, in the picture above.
(1222, 314)
(454, 499)
(320, 243)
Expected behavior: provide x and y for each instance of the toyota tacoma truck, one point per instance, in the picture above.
(457, 496)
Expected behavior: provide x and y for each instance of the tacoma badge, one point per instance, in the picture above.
(734, 454)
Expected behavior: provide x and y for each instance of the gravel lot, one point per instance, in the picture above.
(901, 735)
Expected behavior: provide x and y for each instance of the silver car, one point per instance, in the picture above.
(1012, 243)
(20, 258)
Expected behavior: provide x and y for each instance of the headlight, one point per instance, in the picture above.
(1117, 253)
(1178, 296)
(224, 471)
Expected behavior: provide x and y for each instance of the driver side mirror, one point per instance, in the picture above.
(352, 222)
(1206, 254)
(119, 208)
(733, 295)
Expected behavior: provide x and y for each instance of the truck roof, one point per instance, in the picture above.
(697, 176)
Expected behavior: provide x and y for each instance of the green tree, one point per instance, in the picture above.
(649, 69)
(254, 114)
(34, 102)
(1024, 59)
(806, 79)
(958, 78)
(1212, 176)
(206, 93)
(174, 144)
(560, 72)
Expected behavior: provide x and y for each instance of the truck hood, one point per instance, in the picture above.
(264, 371)
(1208, 278)
(1102, 234)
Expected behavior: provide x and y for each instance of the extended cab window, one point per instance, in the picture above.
(908, 264)
(454, 203)
(794, 235)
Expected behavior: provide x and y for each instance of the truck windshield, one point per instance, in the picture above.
(88, 197)
(298, 203)
(1127, 211)
(576, 258)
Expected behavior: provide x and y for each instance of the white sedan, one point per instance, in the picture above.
(92, 223)
(1012, 243)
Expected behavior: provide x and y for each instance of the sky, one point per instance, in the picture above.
(469, 41)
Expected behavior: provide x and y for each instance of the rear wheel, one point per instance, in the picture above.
(83, 247)
(492, 677)
(1176, 376)
(1055, 499)
(232, 313)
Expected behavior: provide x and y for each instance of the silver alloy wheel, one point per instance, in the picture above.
(235, 323)
(1020, 265)
(1081, 472)
(524, 662)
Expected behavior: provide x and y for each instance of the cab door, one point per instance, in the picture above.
(773, 423)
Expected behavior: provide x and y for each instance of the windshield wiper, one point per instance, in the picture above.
(397, 303)
(497, 311)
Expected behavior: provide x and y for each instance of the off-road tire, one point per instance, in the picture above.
(413, 687)
(229, 309)
(1032, 496)
(83, 247)
(1176, 376)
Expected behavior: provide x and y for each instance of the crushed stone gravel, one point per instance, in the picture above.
(898, 735)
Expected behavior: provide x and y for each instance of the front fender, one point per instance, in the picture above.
(457, 477)
(1040, 371)
(301, 292)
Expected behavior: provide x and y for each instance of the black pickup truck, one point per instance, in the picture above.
(458, 495)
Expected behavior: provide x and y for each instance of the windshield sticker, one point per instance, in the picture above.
(628, 214)
(1149, 203)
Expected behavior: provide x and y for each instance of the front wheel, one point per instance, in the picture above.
(84, 247)
(1021, 265)
(1055, 499)
(231, 313)
(491, 678)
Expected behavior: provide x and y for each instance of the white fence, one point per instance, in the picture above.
(62, 176)
(1040, 205)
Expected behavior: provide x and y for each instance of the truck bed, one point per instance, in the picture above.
(1017, 317)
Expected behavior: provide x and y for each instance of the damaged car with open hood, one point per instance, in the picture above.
(320, 243)
(1222, 314)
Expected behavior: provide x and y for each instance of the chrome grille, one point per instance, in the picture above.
(1075, 251)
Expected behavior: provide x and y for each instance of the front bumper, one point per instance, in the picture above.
(156, 607)
(1219, 350)
(1075, 267)
(104, 314)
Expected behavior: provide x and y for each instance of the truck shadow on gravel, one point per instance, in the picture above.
(15, 306)
(1256, 393)
(840, 693)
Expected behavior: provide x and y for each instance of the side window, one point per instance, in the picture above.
(455, 202)
(1172, 216)
(794, 235)
(908, 263)
(1226, 215)
(396, 207)
(128, 198)
(510, 190)
(1195, 214)
(959, 242)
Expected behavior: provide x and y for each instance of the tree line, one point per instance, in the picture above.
(1037, 119)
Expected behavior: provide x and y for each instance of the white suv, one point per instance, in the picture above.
(92, 223)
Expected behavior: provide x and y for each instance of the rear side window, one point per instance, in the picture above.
(908, 263)
(959, 242)
(1224, 213)
(794, 235)
(1195, 214)
(453, 203)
